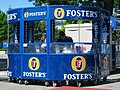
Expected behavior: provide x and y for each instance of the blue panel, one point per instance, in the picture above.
(69, 67)
(35, 13)
(117, 23)
(105, 64)
(13, 15)
(113, 22)
(14, 67)
(5, 45)
(74, 12)
(59, 67)
(34, 66)
(117, 59)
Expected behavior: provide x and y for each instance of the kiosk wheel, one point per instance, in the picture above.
(67, 82)
(59, 83)
(26, 82)
(14, 80)
(95, 82)
(79, 84)
(20, 81)
(105, 79)
(46, 83)
(10, 79)
(54, 84)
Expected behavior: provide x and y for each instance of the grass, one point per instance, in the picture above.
(3, 49)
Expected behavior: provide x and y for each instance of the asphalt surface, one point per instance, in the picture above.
(113, 83)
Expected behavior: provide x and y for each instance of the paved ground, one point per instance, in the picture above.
(113, 83)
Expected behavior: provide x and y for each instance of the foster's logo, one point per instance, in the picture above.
(26, 14)
(78, 63)
(59, 13)
(34, 63)
(105, 63)
(12, 16)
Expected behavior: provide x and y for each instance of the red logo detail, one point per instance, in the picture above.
(59, 13)
(78, 63)
(33, 63)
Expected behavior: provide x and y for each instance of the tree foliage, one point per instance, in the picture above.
(54, 2)
(107, 4)
(117, 4)
(116, 36)
(3, 26)
(39, 29)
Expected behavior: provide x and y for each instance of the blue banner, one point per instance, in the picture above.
(35, 13)
(13, 15)
(74, 12)
(113, 22)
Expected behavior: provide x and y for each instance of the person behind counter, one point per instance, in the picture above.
(63, 38)
(43, 46)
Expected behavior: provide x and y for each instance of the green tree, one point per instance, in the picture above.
(10, 27)
(107, 4)
(3, 27)
(117, 4)
(39, 29)
(116, 36)
(54, 2)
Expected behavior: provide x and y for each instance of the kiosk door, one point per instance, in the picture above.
(105, 45)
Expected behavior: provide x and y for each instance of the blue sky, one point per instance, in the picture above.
(4, 4)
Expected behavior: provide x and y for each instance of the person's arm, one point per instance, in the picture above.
(43, 46)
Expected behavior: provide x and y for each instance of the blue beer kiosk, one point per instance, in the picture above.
(28, 63)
